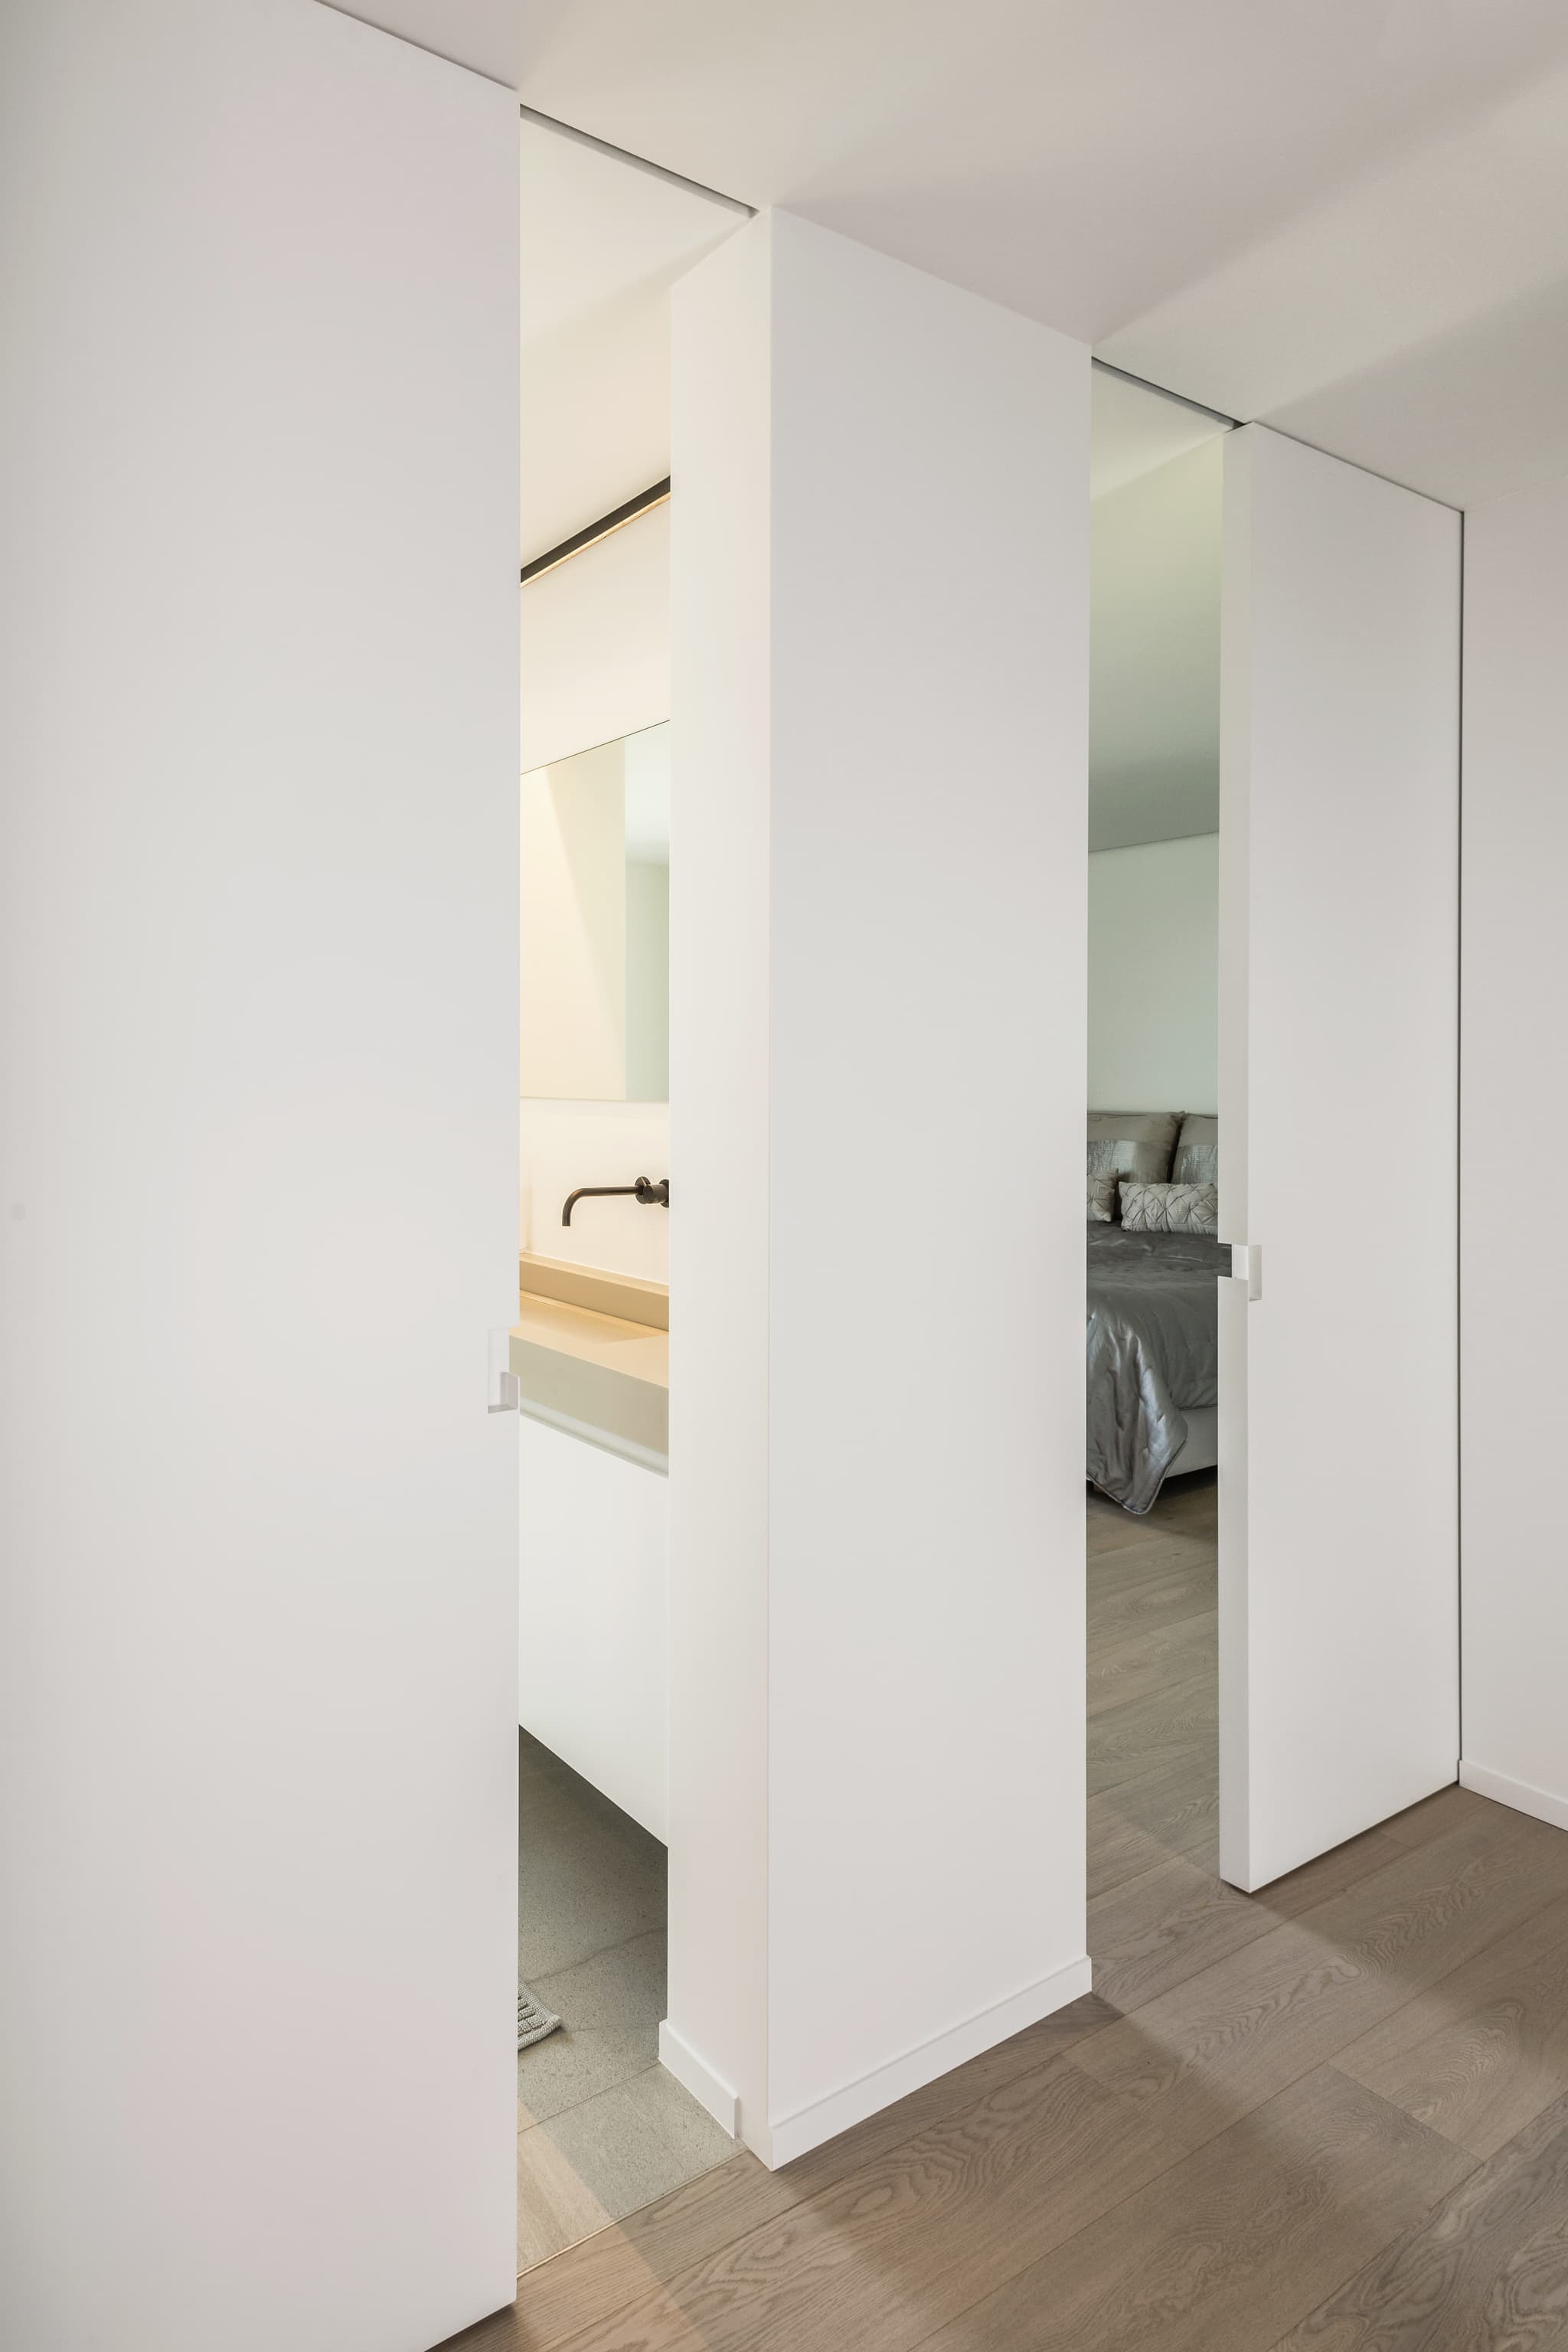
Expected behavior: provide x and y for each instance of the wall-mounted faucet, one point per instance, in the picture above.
(651, 1195)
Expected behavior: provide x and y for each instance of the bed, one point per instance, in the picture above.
(1152, 1318)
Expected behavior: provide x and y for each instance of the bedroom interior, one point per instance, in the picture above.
(1152, 1200)
(1153, 941)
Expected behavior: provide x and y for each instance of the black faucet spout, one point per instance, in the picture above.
(651, 1195)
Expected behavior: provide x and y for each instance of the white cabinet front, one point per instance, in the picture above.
(593, 1624)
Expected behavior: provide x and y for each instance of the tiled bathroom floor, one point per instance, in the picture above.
(602, 2127)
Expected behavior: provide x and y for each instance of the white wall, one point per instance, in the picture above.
(1514, 1141)
(603, 242)
(595, 643)
(1154, 976)
(1154, 644)
(572, 931)
(258, 1038)
(565, 1144)
(877, 1745)
(595, 665)
(647, 980)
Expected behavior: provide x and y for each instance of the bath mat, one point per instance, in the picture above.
(533, 2020)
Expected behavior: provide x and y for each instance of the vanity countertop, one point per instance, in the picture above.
(599, 1376)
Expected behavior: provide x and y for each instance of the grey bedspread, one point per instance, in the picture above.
(1153, 1321)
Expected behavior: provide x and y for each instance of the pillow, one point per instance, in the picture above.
(1170, 1208)
(1198, 1150)
(1132, 1143)
(1102, 1198)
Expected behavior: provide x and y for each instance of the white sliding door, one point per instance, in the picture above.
(257, 1055)
(1339, 915)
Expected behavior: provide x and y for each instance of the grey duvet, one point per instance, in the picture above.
(1153, 1344)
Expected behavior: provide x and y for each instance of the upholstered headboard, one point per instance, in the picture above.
(1152, 1147)
(1132, 1143)
(1198, 1150)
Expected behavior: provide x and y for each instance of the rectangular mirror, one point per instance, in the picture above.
(596, 924)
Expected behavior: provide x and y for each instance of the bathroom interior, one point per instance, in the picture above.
(602, 2126)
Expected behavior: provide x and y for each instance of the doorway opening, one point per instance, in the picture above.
(1152, 1202)
(604, 2128)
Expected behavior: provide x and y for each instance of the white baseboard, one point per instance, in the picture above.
(1517, 1793)
(697, 2077)
(825, 2118)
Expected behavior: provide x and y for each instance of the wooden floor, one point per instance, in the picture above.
(1333, 2116)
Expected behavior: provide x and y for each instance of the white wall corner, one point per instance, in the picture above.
(1505, 1791)
(1515, 848)
(694, 2073)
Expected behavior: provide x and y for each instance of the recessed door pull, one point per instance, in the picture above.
(502, 1392)
(1247, 1266)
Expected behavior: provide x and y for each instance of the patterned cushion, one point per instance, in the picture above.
(1198, 1150)
(1132, 1143)
(1170, 1208)
(1102, 1198)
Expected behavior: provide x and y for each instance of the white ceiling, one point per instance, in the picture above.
(486, 35)
(1349, 218)
(602, 243)
(1132, 430)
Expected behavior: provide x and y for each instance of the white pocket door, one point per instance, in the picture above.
(258, 1152)
(1339, 915)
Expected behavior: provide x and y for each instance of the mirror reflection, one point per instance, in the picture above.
(596, 923)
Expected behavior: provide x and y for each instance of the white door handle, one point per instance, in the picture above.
(502, 1394)
(1247, 1266)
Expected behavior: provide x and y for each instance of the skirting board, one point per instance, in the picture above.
(1517, 1793)
(695, 2076)
(808, 2128)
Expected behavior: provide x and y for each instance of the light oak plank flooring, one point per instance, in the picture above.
(1333, 2116)
(1483, 2052)
(1225, 2249)
(1487, 2268)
